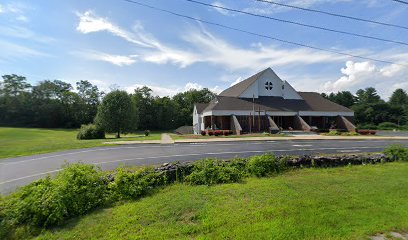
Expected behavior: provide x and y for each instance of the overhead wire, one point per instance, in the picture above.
(333, 14)
(263, 35)
(299, 23)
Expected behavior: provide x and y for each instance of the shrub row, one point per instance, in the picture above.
(80, 188)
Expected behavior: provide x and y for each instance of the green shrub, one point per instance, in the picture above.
(134, 184)
(265, 165)
(212, 171)
(333, 133)
(387, 126)
(76, 190)
(147, 133)
(90, 131)
(397, 153)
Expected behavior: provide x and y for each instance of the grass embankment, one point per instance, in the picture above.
(340, 203)
(28, 141)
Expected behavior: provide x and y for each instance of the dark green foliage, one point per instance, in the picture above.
(116, 113)
(387, 126)
(90, 131)
(76, 190)
(134, 184)
(265, 165)
(212, 171)
(397, 153)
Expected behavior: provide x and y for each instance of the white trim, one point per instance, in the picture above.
(275, 113)
(326, 114)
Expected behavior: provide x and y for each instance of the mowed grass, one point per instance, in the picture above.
(340, 203)
(28, 141)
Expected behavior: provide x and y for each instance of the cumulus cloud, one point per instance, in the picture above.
(358, 75)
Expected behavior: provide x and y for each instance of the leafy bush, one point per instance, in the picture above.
(333, 133)
(203, 133)
(90, 131)
(76, 190)
(397, 153)
(387, 126)
(265, 165)
(133, 184)
(212, 171)
(147, 133)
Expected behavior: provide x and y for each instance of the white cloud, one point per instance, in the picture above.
(12, 52)
(24, 33)
(17, 11)
(118, 60)
(269, 9)
(171, 91)
(204, 47)
(367, 74)
(220, 10)
(238, 80)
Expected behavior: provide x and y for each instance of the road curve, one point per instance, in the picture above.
(15, 172)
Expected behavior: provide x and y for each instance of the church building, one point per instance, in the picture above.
(265, 103)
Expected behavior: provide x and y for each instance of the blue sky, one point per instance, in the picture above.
(116, 43)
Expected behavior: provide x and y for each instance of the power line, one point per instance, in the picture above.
(400, 1)
(333, 14)
(299, 23)
(262, 35)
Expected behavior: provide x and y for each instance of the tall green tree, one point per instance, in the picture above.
(116, 113)
(399, 98)
(13, 85)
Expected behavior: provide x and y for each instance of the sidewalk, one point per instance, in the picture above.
(166, 139)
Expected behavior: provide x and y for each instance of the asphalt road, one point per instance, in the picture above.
(15, 172)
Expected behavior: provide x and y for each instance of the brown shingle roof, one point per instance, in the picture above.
(312, 102)
(239, 88)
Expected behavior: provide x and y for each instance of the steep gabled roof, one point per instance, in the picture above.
(200, 107)
(239, 88)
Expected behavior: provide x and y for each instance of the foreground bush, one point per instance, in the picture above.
(134, 184)
(396, 153)
(212, 171)
(76, 190)
(90, 131)
(264, 165)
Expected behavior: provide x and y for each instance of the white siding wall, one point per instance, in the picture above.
(258, 88)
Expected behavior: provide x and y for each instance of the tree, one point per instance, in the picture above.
(13, 85)
(344, 98)
(143, 102)
(90, 96)
(115, 113)
(399, 98)
(186, 101)
(367, 96)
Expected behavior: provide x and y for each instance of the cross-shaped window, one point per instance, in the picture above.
(268, 86)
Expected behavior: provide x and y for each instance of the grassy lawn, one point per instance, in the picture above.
(338, 203)
(27, 141)
(197, 136)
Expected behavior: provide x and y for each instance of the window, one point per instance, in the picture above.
(268, 86)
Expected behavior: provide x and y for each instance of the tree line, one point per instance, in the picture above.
(370, 110)
(58, 104)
